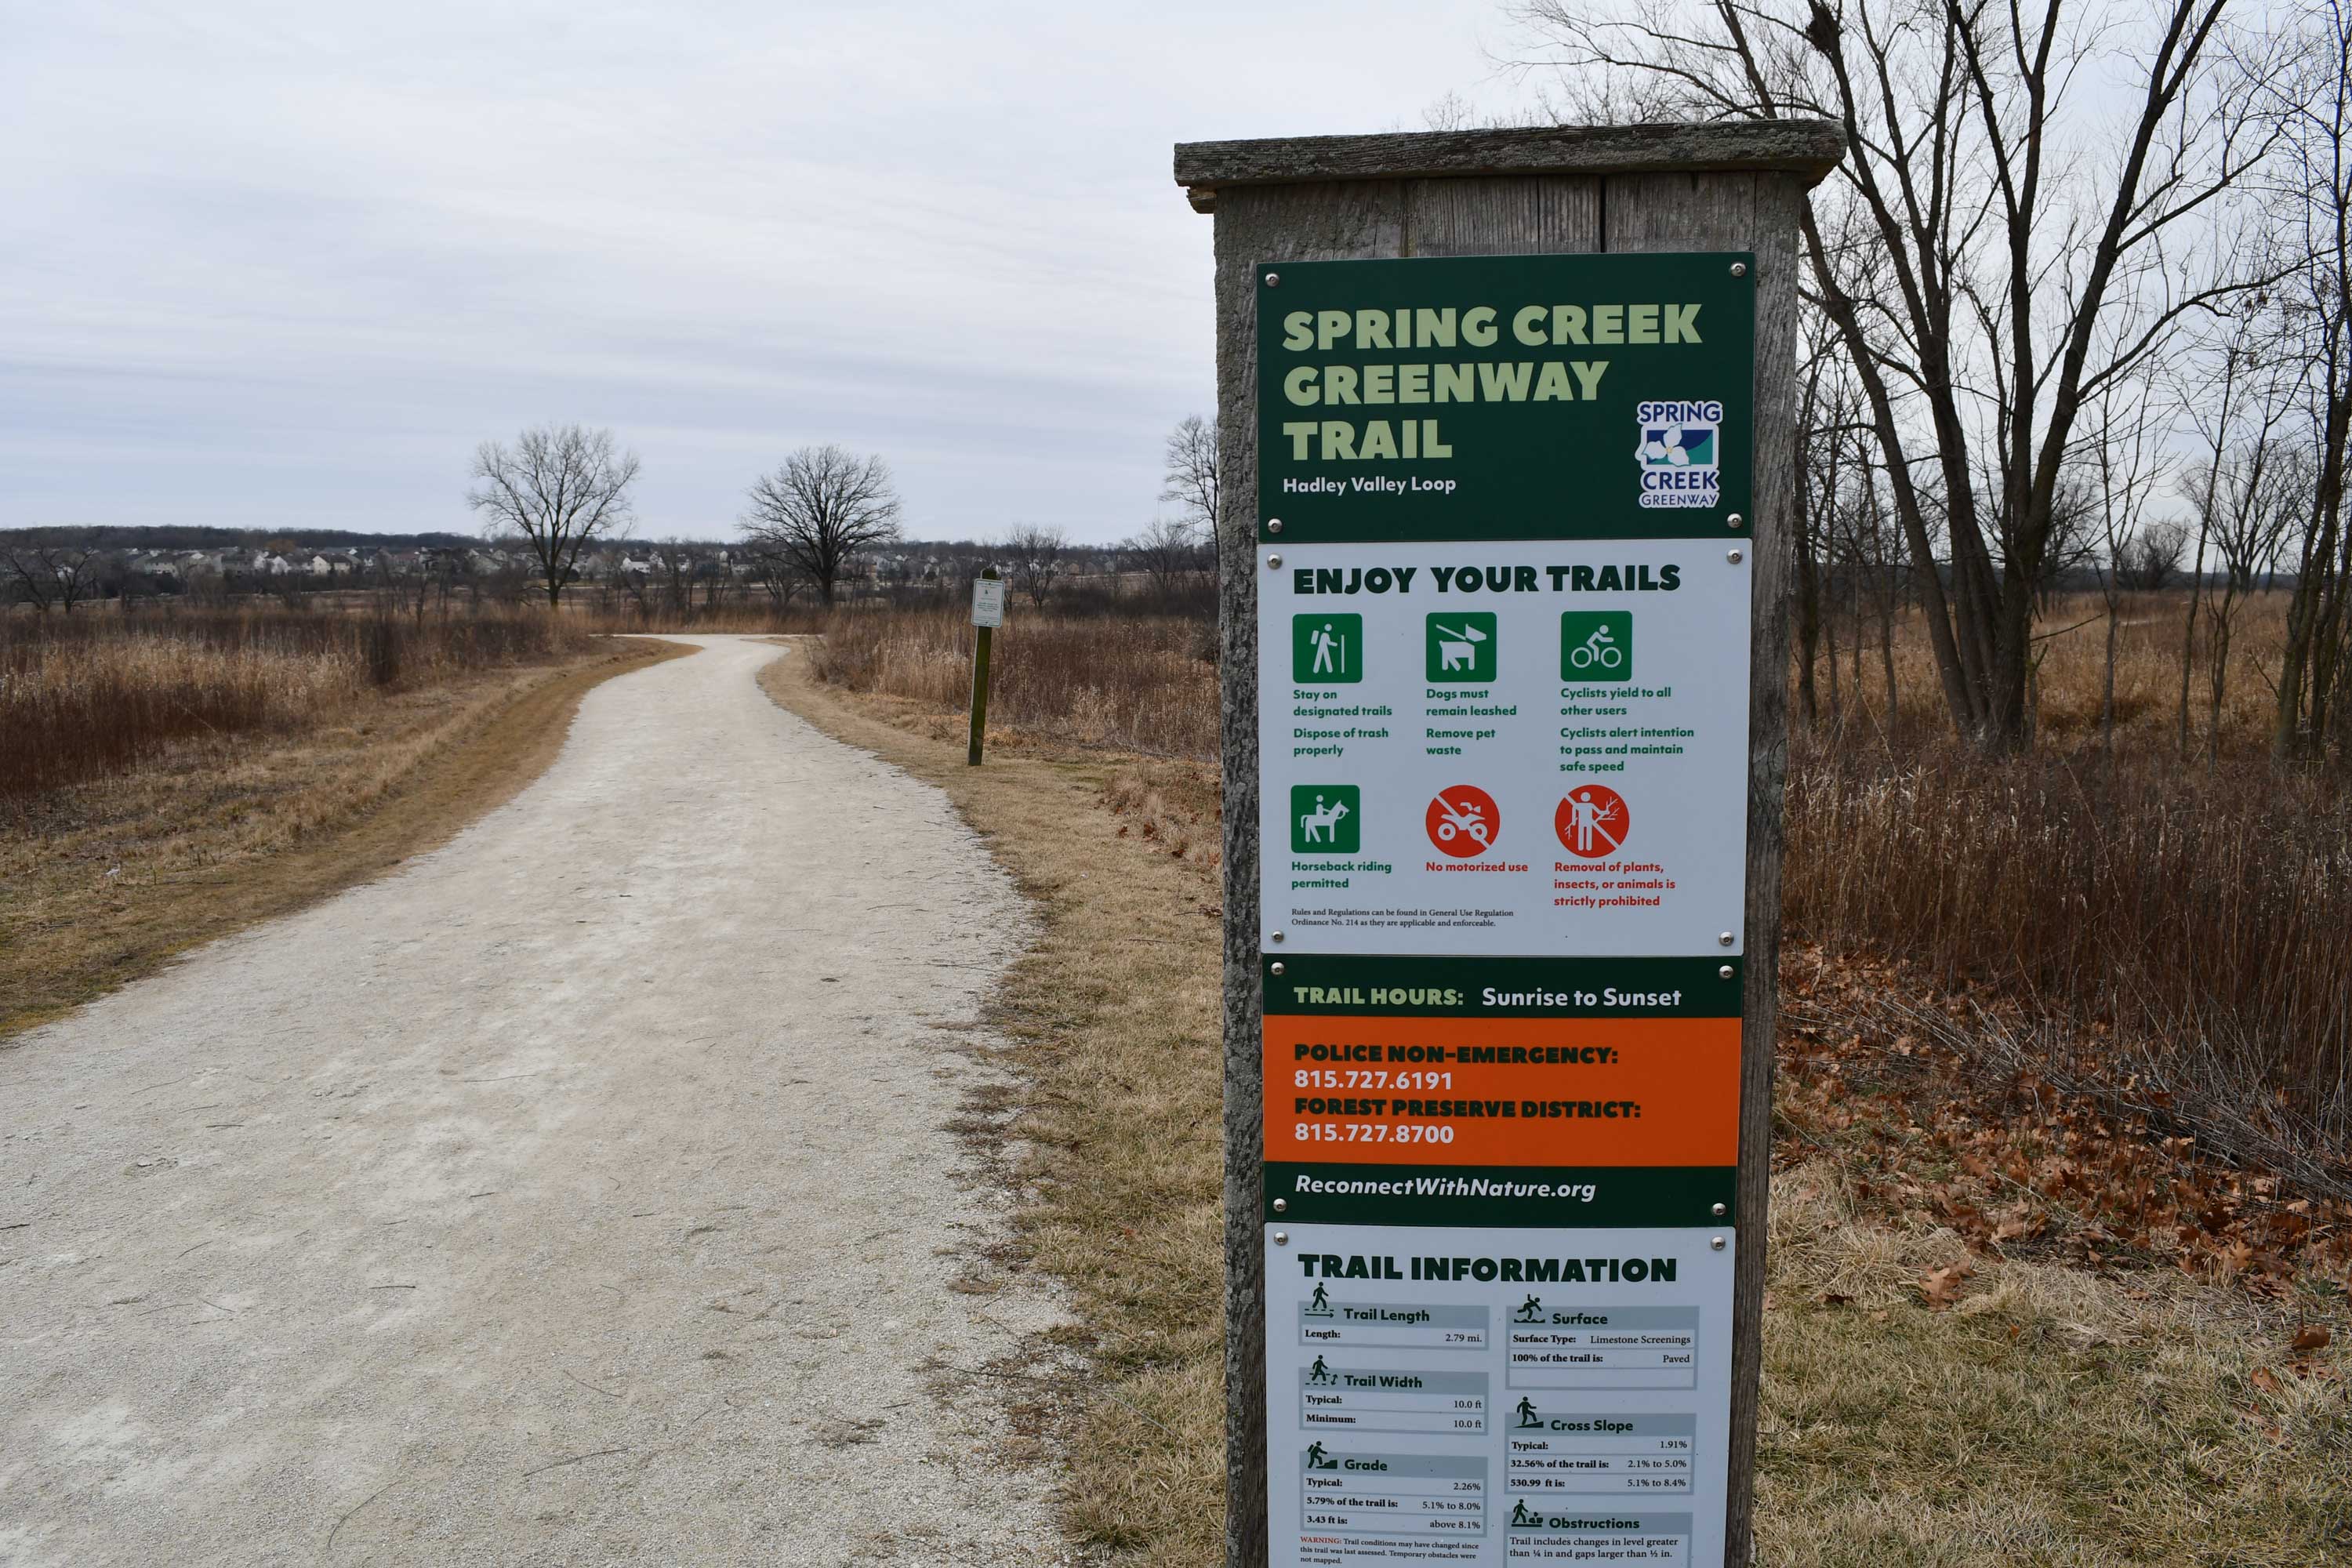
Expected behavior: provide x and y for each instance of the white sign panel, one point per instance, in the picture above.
(1530, 1396)
(1504, 748)
(987, 602)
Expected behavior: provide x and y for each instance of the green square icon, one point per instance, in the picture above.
(1325, 819)
(1462, 648)
(1327, 650)
(1596, 645)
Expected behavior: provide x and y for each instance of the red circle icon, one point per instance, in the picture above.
(1464, 821)
(1592, 822)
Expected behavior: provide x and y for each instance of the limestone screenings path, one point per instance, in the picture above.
(582, 1192)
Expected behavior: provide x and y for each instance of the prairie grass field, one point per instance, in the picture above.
(87, 694)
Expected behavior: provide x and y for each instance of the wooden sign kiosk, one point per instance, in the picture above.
(1507, 431)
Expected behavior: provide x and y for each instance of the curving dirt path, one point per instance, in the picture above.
(582, 1193)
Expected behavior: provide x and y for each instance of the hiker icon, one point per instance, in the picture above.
(1519, 1515)
(1324, 820)
(1527, 1413)
(1330, 650)
(1319, 1373)
(1320, 1307)
(1531, 1311)
(1316, 1459)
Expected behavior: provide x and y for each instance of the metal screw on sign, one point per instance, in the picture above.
(1726, 939)
(1716, 1242)
(1274, 562)
(1282, 1205)
(1278, 967)
(1277, 936)
(1725, 973)
(1734, 521)
(1272, 278)
(1282, 1238)
(1738, 269)
(1273, 525)
(1733, 556)
(1722, 1209)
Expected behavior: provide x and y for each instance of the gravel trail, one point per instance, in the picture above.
(582, 1192)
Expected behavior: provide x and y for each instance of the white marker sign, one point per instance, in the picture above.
(987, 602)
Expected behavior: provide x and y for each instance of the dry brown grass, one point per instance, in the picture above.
(87, 694)
(2054, 1417)
(1139, 683)
(104, 882)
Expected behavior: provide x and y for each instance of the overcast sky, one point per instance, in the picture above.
(274, 264)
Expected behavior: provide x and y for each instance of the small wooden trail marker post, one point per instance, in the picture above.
(1504, 551)
(987, 615)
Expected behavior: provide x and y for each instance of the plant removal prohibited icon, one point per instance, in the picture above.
(1464, 821)
(1592, 822)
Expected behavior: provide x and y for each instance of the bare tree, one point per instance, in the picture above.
(1169, 552)
(561, 488)
(1972, 247)
(2148, 558)
(823, 507)
(50, 575)
(2313, 103)
(1190, 476)
(1036, 556)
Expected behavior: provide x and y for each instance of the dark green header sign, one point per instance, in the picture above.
(1506, 398)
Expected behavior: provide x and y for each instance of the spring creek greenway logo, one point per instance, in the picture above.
(1680, 452)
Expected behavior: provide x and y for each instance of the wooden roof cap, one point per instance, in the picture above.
(1807, 147)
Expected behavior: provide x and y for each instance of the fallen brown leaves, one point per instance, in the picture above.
(2015, 1163)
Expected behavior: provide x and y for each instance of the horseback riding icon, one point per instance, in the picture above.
(1323, 821)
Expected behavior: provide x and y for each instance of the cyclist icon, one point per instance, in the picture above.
(1598, 649)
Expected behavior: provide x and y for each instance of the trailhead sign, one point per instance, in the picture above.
(1503, 584)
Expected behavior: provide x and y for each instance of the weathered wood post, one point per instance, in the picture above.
(1725, 199)
(987, 615)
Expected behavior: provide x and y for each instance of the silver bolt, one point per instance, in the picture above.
(1277, 936)
(1726, 939)
(1725, 973)
(1272, 278)
(1720, 1209)
(1274, 562)
(1732, 556)
(1282, 1238)
(1278, 967)
(1716, 1243)
(1273, 525)
(1282, 1205)
(1734, 521)
(1738, 269)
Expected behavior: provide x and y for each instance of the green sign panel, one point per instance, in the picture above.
(1596, 645)
(1506, 398)
(1326, 819)
(1462, 648)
